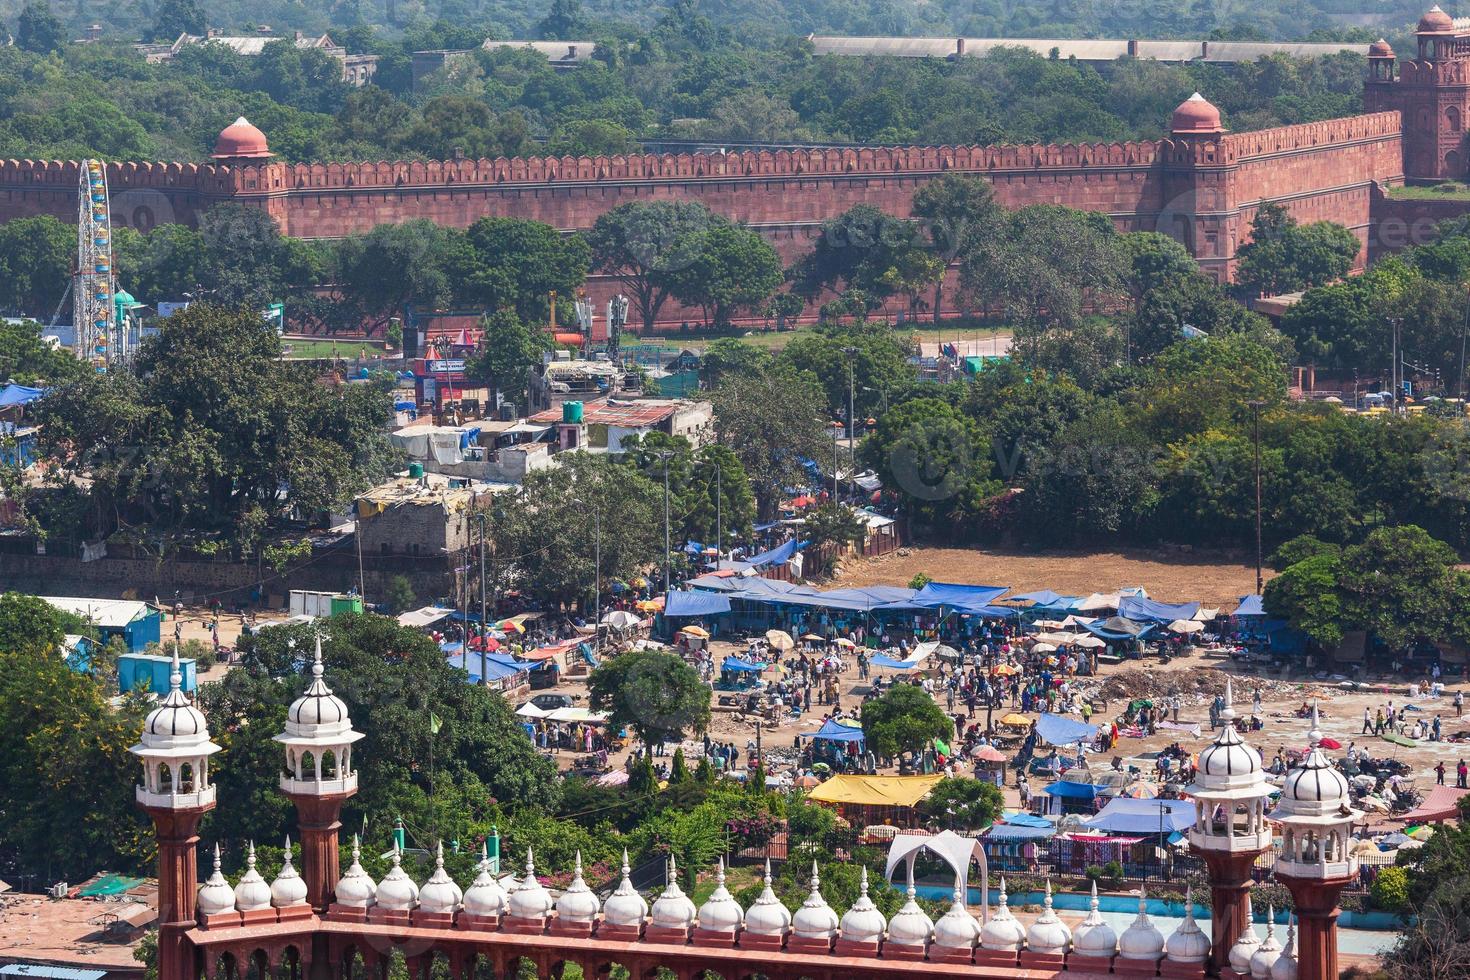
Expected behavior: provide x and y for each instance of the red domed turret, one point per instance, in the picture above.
(241, 141)
(1435, 22)
(1196, 115)
(1380, 49)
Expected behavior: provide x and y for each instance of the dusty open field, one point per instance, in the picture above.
(1214, 581)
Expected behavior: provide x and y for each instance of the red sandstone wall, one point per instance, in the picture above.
(1321, 171)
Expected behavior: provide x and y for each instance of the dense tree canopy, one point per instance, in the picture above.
(655, 693)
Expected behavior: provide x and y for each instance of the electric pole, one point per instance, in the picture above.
(1256, 407)
(484, 623)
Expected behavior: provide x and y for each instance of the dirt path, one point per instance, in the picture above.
(1168, 576)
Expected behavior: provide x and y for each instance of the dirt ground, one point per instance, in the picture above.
(1182, 577)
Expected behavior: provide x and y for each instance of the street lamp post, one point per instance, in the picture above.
(836, 435)
(666, 455)
(851, 353)
(1255, 407)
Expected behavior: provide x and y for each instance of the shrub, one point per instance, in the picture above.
(1390, 889)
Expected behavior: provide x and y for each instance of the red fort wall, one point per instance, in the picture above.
(1204, 188)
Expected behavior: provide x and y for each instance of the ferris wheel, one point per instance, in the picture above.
(100, 340)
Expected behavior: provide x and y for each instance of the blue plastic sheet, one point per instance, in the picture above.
(18, 395)
(1063, 731)
(833, 731)
(958, 596)
(1068, 790)
(741, 666)
(1127, 816)
(1146, 610)
(778, 555)
(1250, 605)
(879, 660)
(696, 604)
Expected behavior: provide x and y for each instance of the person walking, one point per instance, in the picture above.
(1367, 721)
(1439, 773)
(1459, 704)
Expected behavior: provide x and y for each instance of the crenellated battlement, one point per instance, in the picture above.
(1311, 136)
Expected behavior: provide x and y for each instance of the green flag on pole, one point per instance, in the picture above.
(434, 724)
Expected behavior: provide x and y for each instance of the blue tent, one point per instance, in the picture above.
(1063, 731)
(1125, 816)
(696, 604)
(1250, 605)
(937, 594)
(1025, 820)
(1043, 597)
(993, 612)
(18, 395)
(1068, 790)
(832, 731)
(1146, 610)
(741, 666)
(879, 660)
(1117, 628)
(778, 555)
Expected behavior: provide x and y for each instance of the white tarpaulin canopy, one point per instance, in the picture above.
(620, 619)
(420, 618)
(529, 710)
(1186, 626)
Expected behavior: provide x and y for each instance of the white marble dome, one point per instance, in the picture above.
(485, 896)
(1228, 762)
(1142, 940)
(288, 888)
(440, 894)
(356, 888)
(1048, 934)
(318, 712)
(673, 909)
(1268, 952)
(956, 928)
(815, 919)
(767, 916)
(624, 907)
(910, 925)
(251, 891)
(397, 892)
(1002, 932)
(1245, 947)
(577, 903)
(720, 912)
(1285, 967)
(530, 900)
(1188, 944)
(1093, 936)
(215, 896)
(175, 723)
(863, 923)
(1314, 788)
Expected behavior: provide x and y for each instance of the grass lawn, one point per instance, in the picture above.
(307, 349)
(735, 879)
(774, 340)
(1450, 191)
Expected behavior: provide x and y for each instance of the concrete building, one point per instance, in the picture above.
(420, 515)
(357, 69)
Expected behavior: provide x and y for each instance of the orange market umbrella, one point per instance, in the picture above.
(1014, 719)
(1005, 670)
(987, 753)
(510, 626)
(696, 631)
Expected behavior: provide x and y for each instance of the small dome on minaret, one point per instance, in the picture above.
(241, 141)
(1436, 21)
(1196, 115)
(175, 748)
(1380, 49)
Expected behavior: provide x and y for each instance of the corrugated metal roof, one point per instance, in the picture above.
(50, 972)
(1103, 49)
(111, 613)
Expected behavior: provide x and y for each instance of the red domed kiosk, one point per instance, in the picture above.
(241, 141)
(1196, 115)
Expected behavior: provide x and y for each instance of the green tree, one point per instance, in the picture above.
(957, 210)
(827, 529)
(706, 486)
(400, 596)
(771, 422)
(175, 17)
(508, 350)
(655, 693)
(729, 358)
(960, 803)
(876, 355)
(451, 783)
(733, 268)
(936, 458)
(211, 435)
(39, 30)
(418, 263)
(644, 245)
(516, 264)
(36, 257)
(1283, 256)
(26, 358)
(32, 625)
(862, 249)
(904, 719)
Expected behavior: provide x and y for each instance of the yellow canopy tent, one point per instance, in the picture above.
(903, 791)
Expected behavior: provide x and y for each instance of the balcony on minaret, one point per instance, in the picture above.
(175, 748)
(1230, 793)
(318, 741)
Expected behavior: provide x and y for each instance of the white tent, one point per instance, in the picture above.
(1186, 626)
(954, 850)
(620, 619)
(529, 710)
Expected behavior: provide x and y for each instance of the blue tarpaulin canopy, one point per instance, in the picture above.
(879, 660)
(696, 604)
(993, 612)
(1116, 628)
(832, 731)
(1019, 832)
(1025, 820)
(1043, 597)
(937, 594)
(18, 395)
(741, 666)
(778, 555)
(1063, 731)
(1127, 816)
(1068, 790)
(1147, 610)
(1250, 605)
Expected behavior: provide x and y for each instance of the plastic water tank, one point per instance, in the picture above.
(571, 412)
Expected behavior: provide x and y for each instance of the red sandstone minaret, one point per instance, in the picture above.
(1198, 209)
(1317, 860)
(1230, 830)
(318, 778)
(176, 792)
